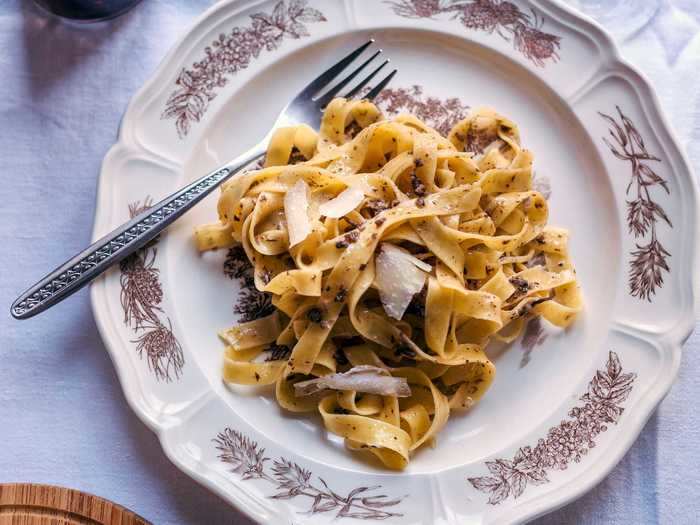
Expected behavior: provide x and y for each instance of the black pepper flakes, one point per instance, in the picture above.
(296, 156)
(278, 352)
(352, 236)
(521, 285)
(417, 185)
(417, 304)
(340, 357)
(314, 315)
(341, 295)
(353, 129)
(380, 221)
(402, 350)
(376, 206)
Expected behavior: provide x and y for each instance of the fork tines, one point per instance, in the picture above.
(323, 80)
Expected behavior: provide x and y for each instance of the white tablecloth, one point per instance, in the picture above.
(63, 418)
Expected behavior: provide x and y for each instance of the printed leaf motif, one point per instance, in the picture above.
(533, 336)
(523, 30)
(501, 492)
(649, 178)
(242, 453)
(379, 502)
(252, 304)
(649, 261)
(197, 86)
(290, 477)
(568, 442)
(614, 366)
(500, 467)
(437, 113)
(140, 297)
(537, 477)
(248, 460)
(485, 483)
(518, 481)
(542, 184)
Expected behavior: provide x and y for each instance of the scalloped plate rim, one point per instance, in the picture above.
(670, 341)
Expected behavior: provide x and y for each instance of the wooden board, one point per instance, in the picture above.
(33, 504)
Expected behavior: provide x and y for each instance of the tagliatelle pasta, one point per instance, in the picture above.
(393, 256)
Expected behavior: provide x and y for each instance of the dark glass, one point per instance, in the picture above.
(87, 10)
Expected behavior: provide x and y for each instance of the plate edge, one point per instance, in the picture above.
(674, 338)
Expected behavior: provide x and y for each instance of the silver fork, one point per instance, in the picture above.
(306, 108)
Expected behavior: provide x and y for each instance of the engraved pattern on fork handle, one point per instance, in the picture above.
(122, 242)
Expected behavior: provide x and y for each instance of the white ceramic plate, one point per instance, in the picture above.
(565, 406)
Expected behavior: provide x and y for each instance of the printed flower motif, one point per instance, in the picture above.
(290, 477)
(505, 18)
(293, 481)
(140, 297)
(252, 304)
(241, 453)
(566, 443)
(418, 8)
(649, 260)
(437, 113)
(535, 44)
(486, 15)
(230, 53)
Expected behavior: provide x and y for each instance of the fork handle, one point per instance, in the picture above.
(123, 241)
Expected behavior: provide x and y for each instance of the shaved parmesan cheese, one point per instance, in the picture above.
(296, 204)
(400, 251)
(363, 378)
(399, 276)
(343, 204)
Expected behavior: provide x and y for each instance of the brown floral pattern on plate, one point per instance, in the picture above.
(440, 114)
(567, 442)
(533, 336)
(649, 260)
(251, 303)
(141, 297)
(197, 85)
(542, 184)
(504, 18)
(293, 481)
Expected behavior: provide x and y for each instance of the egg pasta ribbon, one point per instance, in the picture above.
(393, 256)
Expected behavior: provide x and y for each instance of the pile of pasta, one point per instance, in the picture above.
(392, 255)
